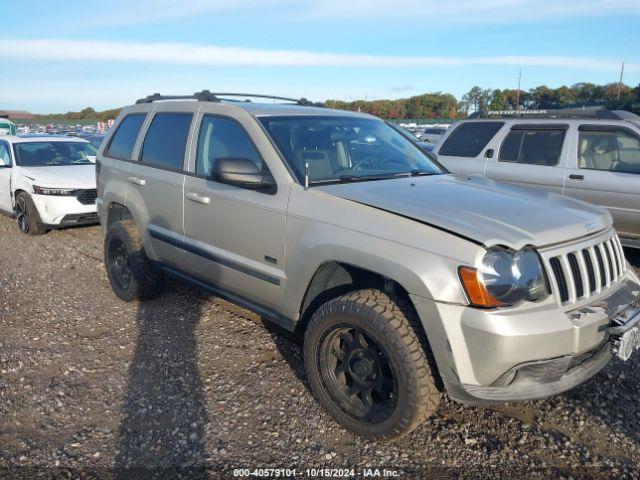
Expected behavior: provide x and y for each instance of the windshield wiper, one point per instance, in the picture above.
(419, 173)
(358, 178)
(366, 178)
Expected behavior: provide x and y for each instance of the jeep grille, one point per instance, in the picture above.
(582, 270)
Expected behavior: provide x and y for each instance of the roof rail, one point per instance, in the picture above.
(593, 113)
(207, 96)
(203, 96)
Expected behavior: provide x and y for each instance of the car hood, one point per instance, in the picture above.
(479, 209)
(72, 176)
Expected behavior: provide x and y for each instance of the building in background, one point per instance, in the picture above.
(16, 114)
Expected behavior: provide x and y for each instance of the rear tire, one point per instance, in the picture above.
(367, 362)
(27, 216)
(131, 274)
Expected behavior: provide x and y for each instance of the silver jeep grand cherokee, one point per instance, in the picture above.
(404, 280)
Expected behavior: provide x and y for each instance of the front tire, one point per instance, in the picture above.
(130, 272)
(27, 216)
(367, 363)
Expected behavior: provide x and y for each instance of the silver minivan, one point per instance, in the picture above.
(591, 155)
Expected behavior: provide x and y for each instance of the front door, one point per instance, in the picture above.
(531, 156)
(5, 177)
(607, 173)
(234, 237)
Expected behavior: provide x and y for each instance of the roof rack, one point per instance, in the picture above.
(207, 96)
(593, 113)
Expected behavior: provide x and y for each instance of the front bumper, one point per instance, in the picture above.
(59, 211)
(518, 354)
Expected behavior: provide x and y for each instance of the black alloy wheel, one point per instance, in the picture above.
(358, 374)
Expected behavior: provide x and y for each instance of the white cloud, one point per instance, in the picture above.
(157, 11)
(212, 55)
(468, 11)
(433, 13)
(402, 88)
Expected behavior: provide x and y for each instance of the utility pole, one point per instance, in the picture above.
(620, 82)
(518, 93)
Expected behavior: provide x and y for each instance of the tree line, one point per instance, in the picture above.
(83, 115)
(445, 105)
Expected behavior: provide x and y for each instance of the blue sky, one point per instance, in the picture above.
(58, 56)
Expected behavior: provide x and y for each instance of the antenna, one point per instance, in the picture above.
(306, 175)
(620, 82)
(518, 93)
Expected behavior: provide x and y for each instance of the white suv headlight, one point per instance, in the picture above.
(505, 277)
(65, 192)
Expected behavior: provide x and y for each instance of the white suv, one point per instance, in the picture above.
(47, 182)
(589, 154)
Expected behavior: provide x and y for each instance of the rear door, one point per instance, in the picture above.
(157, 181)
(466, 148)
(605, 170)
(114, 159)
(5, 177)
(531, 155)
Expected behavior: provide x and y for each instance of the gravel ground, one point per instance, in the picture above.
(92, 387)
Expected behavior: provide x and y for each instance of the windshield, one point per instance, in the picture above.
(344, 149)
(47, 154)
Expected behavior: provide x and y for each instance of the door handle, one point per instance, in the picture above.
(576, 177)
(194, 197)
(137, 181)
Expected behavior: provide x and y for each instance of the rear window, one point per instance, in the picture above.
(469, 139)
(533, 147)
(124, 139)
(166, 140)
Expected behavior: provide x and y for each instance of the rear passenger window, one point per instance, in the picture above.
(533, 147)
(166, 140)
(124, 139)
(223, 138)
(469, 139)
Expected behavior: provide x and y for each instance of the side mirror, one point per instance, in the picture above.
(489, 153)
(242, 172)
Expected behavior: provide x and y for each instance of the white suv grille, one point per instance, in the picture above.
(582, 270)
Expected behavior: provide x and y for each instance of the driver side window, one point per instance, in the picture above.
(223, 138)
(615, 151)
(5, 157)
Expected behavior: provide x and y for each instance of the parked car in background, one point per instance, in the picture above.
(592, 155)
(402, 278)
(7, 127)
(413, 137)
(47, 182)
(94, 138)
(432, 134)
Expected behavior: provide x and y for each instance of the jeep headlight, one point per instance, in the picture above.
(505, 277)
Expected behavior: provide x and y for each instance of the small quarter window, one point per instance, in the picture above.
(166, 140)
(469, 139)
(121, 145)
